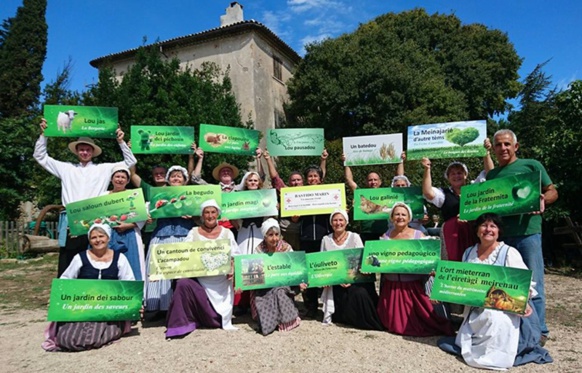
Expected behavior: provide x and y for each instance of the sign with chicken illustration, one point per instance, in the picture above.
(228, 140)
(376, 203)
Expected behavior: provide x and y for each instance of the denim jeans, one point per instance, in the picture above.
(530, 248)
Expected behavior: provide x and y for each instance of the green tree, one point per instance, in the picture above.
(23, 40)
(403, 69)
(22, 53)
(159, 92)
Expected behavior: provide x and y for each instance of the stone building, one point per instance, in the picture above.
(260, 63)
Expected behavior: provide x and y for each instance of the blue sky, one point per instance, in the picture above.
(85, 30)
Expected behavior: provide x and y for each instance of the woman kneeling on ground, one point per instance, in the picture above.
(203, 301)
(274, 308)
(98, 263)
(495, 339)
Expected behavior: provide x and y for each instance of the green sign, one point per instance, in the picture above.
(312, 199)
(447, 140)
(335, 267)
(112, 209)
(482, 285)
(228, 140)
(510, 195)
(176, 201)
(249, 204)
(95, 300)
(295, 141)
(401, 256)
(77, 121)
(161, 139)
(263, 271)
(190, 259)
(376, 203)
(372, 150)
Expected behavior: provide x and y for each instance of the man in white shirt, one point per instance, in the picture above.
(78, 182)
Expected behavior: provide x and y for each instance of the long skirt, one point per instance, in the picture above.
(190, 309)
(82, 336)
(404, 308)
(274, 308)
(158, 294)
(356, 305)
(457, 237)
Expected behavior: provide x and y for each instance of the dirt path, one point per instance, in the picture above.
(310, 347)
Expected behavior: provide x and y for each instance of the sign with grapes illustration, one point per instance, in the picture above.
(447, 140)
(249, 204)
(77, 121)
(295, 141)
(190, 259)
(376, 203)
(161, 139)
(401, 256)
(482, 285)
(510, 195)
(112, 209)
(176, 201)
(95, 300)
(336, 267)
(228, 140)
(370, 150)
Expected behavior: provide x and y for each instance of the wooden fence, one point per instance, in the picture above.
(11, 233)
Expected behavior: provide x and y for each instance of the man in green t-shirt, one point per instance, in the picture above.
(524, 231)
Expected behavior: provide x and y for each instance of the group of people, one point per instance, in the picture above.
(487, 338)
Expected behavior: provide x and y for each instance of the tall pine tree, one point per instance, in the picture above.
(23, 40)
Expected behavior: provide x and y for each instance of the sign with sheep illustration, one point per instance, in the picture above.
(190, 259)
(162, 139)
(371, 150)
(249, 204)
(336, 267)
(295, 141)
(263, 271)
(447, 140)
(376, 203)
(176, 201)
(228, 140)
(95, 300)
(418, 256)
(481, 285)
(510, 195)
(113, 209)
(78, 121)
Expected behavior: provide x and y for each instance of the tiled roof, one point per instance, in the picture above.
(214, 33)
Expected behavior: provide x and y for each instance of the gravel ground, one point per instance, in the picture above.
(312, 346)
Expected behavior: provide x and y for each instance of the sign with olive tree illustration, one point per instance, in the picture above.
(370, 150)
(447, 140)
(510, 195)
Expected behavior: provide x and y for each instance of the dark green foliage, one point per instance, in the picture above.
(23, 41)
(462, 137)
(158, 92)
(22, 53)
(403, 69)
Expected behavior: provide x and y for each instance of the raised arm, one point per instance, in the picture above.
(427, 190)
(260, 170)
(128, 156)
(135, 178)
(400, 167)
(56, 168)
(487, 161)
(270, 165)
(191, 159)
(349, 176)
(198, 169)
(323, 162)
